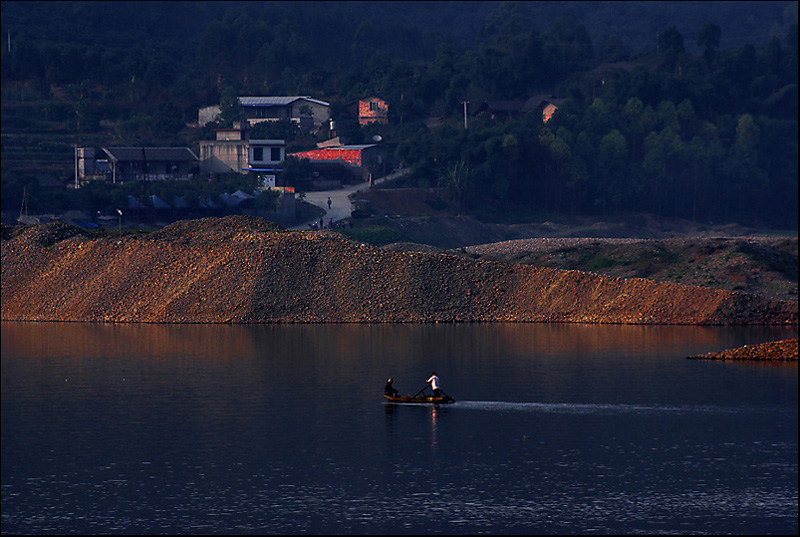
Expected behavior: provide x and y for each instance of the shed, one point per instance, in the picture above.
(151, 163)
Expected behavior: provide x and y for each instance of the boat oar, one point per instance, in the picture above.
(442, 392)
(422, 390)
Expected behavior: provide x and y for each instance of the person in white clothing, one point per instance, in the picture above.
(434, 382)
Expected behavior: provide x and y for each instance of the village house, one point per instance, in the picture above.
(364, 161)
(372, 109)
(516, 109)
(234, 151)
(547, 112)
(307, 113)
(120, 164)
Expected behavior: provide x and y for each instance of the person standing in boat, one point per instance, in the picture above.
(389, 389)
(434, 382)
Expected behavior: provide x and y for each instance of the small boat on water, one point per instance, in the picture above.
(442, 399)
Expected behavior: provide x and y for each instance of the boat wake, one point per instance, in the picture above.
(597, 408)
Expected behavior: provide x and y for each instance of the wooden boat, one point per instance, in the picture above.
(442, 399)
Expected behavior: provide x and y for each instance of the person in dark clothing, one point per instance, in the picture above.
(389, 389)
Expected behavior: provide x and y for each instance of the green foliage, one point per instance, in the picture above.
(230, 109)
(696, 128)
(284, 129)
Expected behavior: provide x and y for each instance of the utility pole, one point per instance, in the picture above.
(465, 103)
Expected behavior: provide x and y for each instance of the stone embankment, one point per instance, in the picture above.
(247, 270)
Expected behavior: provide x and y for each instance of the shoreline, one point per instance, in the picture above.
(783, 351)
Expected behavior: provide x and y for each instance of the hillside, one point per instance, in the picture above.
(729, 257)
(246, 270)
(651, 112)
(754, 264)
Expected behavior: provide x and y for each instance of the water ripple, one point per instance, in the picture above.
(606, 408)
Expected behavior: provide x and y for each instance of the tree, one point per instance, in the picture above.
(612, 173)
(613, 50)
(283, 129)
(708, 37)
(230, 108)
(167, 121)
(670, 47)
(507, 20)
(458, 181)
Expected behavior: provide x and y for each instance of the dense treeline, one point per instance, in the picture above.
(711, 137)
(651, 118)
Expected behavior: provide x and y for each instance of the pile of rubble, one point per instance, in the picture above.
(247, 270)
(784, 350)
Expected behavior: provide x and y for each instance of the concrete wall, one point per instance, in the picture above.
(223, 156)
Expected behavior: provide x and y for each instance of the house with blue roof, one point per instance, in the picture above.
(308, 113)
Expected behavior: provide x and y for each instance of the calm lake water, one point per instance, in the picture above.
(147, 429)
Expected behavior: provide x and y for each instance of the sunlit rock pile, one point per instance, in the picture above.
(247, 270)
(784, 350)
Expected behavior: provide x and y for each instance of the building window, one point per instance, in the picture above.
(374, 106)
(275, 154)
(258, 154)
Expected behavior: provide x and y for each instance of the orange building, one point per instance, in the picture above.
(548, 112)
(372, 109)
(364, 160)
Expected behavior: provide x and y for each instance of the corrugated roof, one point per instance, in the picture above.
(345, 147)
(277, 101)
(362, 146)
(267, 141)
(151, 154)
(323, 150)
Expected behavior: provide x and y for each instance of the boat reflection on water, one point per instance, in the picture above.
(420, 399)
(396, 412)
(434, 416)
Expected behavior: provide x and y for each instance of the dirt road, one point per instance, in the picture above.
(340, 206)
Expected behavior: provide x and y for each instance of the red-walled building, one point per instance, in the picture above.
(365, 159)
(372, 109)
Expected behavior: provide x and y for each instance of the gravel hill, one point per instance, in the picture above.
(754, 264)
(247, 270)
(782, 351)
(722, 256)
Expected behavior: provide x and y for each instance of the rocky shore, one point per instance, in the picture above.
(785, 350)
(247, 270)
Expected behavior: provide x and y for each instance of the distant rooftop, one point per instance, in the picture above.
(277, 101)
(152, 154)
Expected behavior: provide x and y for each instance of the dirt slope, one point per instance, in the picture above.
(721, 256)
(759, 265)
(246, 270)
